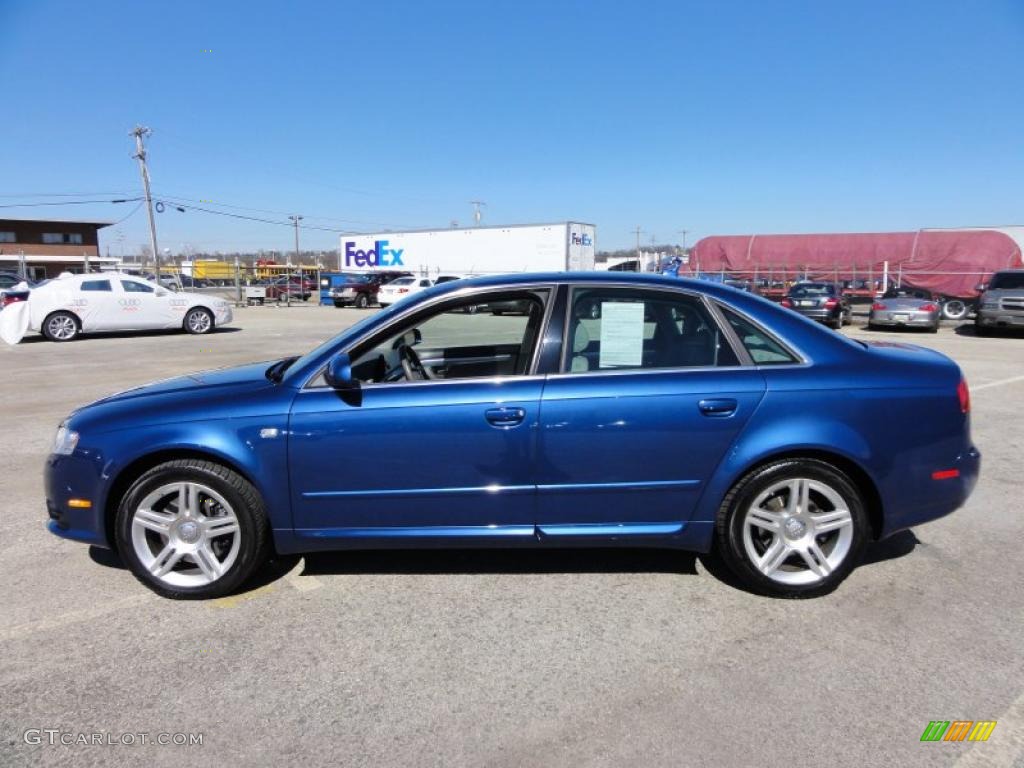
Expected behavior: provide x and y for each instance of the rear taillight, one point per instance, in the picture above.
(878, 306)
(929, 308)
(787, 303)
(9, 299)
(403, 290)
(964, 394)
(831, 303)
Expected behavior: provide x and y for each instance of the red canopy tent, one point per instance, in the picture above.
(947, 261)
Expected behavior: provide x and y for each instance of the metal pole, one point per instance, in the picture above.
(140, 154)
(298, 262)
(238, 281)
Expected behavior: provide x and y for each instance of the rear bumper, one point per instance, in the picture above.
(946, 495)
(911, 318)
(818, 314)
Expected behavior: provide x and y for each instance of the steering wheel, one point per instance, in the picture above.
(414, 368)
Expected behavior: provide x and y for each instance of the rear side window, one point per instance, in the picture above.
(95, 285)
(624, 328)
(761, 347)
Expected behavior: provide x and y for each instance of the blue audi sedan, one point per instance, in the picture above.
(612, 410)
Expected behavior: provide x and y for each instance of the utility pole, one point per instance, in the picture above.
(684, 232)
(139, 132)
(298, 263)
(638, 233)
(476, 210)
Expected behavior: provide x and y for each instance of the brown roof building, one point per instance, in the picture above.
(47, 248)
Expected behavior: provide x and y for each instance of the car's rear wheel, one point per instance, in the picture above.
(192, 529)
(793, 528)
(61, 326)
(362, 302)
(198, 320)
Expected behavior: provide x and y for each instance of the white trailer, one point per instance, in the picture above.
(566, 246)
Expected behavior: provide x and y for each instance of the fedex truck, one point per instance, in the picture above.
(565, 246)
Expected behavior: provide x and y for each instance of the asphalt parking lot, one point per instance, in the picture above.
(494, 658)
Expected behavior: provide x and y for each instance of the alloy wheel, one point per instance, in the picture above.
(797, 531)
(185, 534)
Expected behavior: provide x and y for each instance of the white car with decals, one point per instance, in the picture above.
(63, 308)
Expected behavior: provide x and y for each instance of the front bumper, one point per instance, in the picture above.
(1000, 318)
(79, 476)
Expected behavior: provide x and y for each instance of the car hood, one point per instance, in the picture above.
(1000, 293)
(243, 376)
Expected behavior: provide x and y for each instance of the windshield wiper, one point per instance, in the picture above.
(276, 371)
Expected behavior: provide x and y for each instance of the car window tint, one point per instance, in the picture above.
(763, 350)
(1007, 281)
(615, 329)
(95, 285)
(460, 339)
(131, 286)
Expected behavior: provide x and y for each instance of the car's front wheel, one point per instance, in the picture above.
(198, 320)
(362, 302)
(792, 528)
(192, 529)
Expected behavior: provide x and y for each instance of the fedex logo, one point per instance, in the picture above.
(378, 256)
(581, 239)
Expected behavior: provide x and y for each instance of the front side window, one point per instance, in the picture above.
(457, 340)
(763, 349)
(130, 286)
(95, 285)
(7, 237)
(621, 328)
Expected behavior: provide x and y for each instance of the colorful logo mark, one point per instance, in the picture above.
(958, 730)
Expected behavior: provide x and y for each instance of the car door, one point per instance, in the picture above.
(144, 305)
(650, 398)
(451, 456)
(96, 304)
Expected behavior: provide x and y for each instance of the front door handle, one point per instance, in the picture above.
(505, 417)
(725, 406)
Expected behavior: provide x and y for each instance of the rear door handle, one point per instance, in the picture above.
(505, 417)
(725, 406)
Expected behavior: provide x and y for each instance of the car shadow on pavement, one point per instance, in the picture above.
(970, 329)
(512, 561)
(40, 339)
(492, 561)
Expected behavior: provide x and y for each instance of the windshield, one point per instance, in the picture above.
(1007, 281)
(403, 281)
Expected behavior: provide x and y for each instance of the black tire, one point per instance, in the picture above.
(362, 302)
(472, 309)
(62, 326)
(339, 304)
(982, 330)
(836, 323)
(245, 501)
(198, 320)
(934, 328)
(871, 326)
(497, 312)
(729, 527)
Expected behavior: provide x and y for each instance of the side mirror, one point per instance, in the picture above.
(339, 372)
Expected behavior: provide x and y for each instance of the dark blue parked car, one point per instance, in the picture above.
(678, 414)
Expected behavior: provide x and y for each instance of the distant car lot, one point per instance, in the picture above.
(596, 650)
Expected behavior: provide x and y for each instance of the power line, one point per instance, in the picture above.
(73, 194)
(70, 202)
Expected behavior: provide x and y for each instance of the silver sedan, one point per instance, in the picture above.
(906, 308)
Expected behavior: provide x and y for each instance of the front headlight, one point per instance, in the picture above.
(65, 442)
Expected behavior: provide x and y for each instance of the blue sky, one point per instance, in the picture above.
(718, 117)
